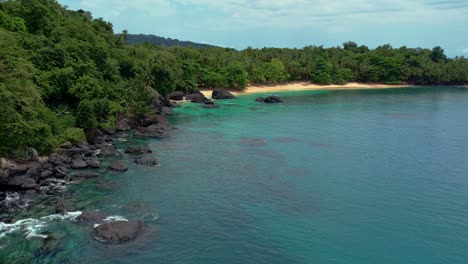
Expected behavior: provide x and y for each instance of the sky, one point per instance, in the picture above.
(292, 23)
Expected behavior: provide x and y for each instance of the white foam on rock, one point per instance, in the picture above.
(110, 219)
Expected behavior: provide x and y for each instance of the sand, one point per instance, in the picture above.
(301, 86)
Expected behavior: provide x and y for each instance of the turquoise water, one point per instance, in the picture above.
(371, 176)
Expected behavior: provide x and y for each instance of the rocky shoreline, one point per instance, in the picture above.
(23, 184)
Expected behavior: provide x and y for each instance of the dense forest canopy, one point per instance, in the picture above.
(161, 41)
(63, 72)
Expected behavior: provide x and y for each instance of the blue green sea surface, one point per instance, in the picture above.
(339, 177)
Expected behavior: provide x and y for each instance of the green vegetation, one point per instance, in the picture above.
(63, 73)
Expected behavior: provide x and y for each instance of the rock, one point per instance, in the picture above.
(63, 207)
(109, 131)
(59, 159)
(138, 150)
(79, 164)
(66, 145)
(167, 110)
(273, 99)
(107, 151)
(196, 97)
(93, 163)
(61, 172)
(153, 131)
(16, 170)
(159, 120)
(210, 105)
(47, 174)
(177, 96)
(123, 125)
(91, 216)
(31, 155)
(23, 182)
(119, 231)
(31, 194)
(222, 94)
(118, 166)
(146, 161)
(259, 99)
(86, 175)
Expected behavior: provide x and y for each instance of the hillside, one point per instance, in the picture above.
(167, 42)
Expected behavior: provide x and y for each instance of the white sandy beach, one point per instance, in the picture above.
(301, 86)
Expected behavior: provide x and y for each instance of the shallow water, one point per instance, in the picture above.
(371, 176)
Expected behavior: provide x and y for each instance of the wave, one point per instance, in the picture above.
(32, 227)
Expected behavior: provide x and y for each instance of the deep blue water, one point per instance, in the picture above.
(370, 176)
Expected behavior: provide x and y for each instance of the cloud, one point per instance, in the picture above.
(465, 50)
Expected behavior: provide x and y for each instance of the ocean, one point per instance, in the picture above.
(339, 177)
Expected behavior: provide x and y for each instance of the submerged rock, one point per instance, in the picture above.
(86, 175)
(259, 99)
(119, 231)
(118, 166)
(273, 99)
(91, 216)
(222, 94)
(146, 161)
(210, 105)
(138, 150)
(63, 206)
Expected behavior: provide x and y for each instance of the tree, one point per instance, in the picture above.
(236, 76)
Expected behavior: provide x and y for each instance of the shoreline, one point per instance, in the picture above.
(306, 86)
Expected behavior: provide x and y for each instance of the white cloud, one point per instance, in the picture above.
(465, 50)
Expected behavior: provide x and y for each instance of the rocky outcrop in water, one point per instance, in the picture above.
(138, 150)
(90, 216)
(222, 94)
(196, 97)
(272, 99)
(210, 105)
(146, 161)
(118, 166)
(118, 232)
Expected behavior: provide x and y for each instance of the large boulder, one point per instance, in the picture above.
(156, 119)
(222, 94)
(79, 164)
(23, 182)
(118, 232)
(196, 97)
(93, 163)
(107, 151)
(91, 216)
(118, 166)
(61, 172)
(31, 155)
(273, 99)
(138, 150)
(177, 96)
(154, 131)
